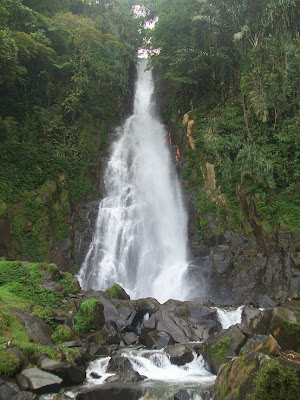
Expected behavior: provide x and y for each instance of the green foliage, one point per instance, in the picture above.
(275, 382)
(69, 283)
(22, 281)
(62, 333)
(219, 351)
(86, 316)
(117, 292)
(32, 350)
(9, 363)
(54, 119)
(234, 65)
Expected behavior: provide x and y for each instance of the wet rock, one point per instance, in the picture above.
(158, 340)
(123, 368)
(221, 346)
(179, 354)
(39, 381)
(184, 394)
(94, 375)
(74, 375)
(262, 343)
(38, 331)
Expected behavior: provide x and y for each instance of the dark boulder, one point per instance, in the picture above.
(158, 340)
(180, 354)
(111, 332)
(74, 375)
(123, 368)
(184, 321)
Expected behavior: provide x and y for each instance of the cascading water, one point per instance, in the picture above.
(140, 237)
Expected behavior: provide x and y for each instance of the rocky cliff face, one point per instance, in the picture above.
(234, 260)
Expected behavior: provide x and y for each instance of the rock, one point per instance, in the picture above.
(130, 338)
(158, 340)
(25, 396)
(179, 354)
(72, 343)
(38, 381)
(38, 331)
(71, 374)
(117, 292)
(49, 365)
(262, 343)
(282, 323)
(266, 302)
(248, 313)
(184, 321)
(111, 332)
(94, 375)
(8, 390)
(123, 368)
(291, 359)
(256, 375)
(235, 379)
(222, 346)
(184, 394)
(112, 392)
(94, 349)
(74, 375)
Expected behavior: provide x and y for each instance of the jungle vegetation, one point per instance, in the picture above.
(234, 65)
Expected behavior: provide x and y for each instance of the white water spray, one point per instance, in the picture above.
(140, 238)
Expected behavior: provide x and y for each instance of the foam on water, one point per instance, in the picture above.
(229, 317)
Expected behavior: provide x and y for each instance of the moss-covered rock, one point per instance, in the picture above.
(62, 333)
(221, 346)
(235, 379)
(90, 316)
(117, 292)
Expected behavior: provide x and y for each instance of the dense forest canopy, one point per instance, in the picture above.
(65, 71)
(235, 65)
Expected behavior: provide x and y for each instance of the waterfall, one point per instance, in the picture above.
(140, 238)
